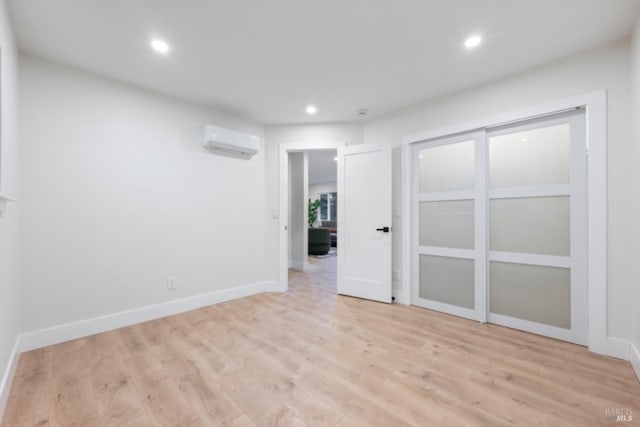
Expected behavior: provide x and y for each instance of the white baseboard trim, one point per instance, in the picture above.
(401, 297)
(634, 358)
(622, 349)
(618, 348)
(298, 265)
(7, 377)
(83, 328)
(610, 346)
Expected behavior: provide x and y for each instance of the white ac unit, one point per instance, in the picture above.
(228, 142)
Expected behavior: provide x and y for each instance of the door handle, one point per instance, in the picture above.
(383, 229)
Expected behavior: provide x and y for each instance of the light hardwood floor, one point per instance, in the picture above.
(311, 358)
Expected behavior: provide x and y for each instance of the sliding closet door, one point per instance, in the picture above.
(449, 205)
(537, 227)
(499, 226)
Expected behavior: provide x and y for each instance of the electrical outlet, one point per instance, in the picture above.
(171, 283)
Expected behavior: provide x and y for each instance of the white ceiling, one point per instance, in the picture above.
(322, 167)
(265, 60)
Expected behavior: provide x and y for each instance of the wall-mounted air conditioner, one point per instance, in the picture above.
(228, 142)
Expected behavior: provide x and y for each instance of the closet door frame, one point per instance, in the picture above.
(595, 104)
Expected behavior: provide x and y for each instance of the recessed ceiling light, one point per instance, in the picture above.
(472, 41)
(311, 109)
(160, 46)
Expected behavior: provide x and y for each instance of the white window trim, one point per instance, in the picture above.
(595, 104)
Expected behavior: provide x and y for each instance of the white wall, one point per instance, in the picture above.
(298, 194)
(118, 194)
(306, 135)
(9, 287)
(635, 123)
(605, 68)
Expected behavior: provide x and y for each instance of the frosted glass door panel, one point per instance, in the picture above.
(499, 226)
(530, 292)
(538, 225)
(532, 157)
(447, 167)
(447, 224)
(447, 280)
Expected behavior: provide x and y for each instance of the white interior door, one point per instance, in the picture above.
(364, 220)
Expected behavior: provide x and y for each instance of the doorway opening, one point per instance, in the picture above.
(363, 227)
(308, 203)
(313, 211)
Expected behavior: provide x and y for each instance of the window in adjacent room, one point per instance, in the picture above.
(328, 206)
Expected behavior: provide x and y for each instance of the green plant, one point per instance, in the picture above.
(313, 211)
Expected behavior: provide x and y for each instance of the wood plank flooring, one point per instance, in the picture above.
(311, 358)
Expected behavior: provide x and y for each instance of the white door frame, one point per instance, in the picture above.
(595, 104)
(283, 195)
